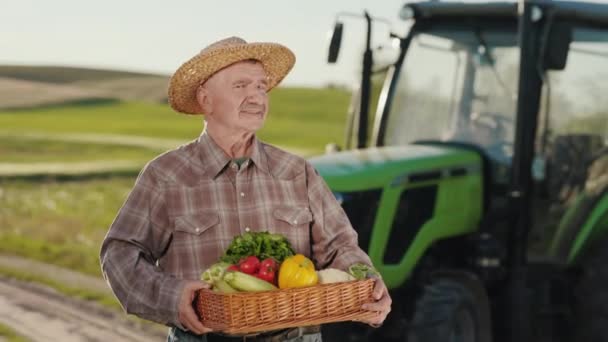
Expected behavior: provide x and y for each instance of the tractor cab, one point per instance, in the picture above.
(482, 173)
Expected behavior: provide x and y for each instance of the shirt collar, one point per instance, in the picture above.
(215, 160)
(258, 155)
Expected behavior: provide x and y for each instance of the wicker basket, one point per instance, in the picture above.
(250, 312)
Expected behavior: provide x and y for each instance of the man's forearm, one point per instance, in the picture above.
(139, 285)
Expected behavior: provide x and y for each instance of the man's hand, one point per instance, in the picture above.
(382, 304)
(187, 316)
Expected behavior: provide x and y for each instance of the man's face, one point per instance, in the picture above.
(235, 99)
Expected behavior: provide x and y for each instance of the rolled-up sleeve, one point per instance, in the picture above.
(135, 241)
(335, 241)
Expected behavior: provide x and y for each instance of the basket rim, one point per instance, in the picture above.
(290, 289)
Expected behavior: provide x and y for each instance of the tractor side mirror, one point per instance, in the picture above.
(557, 46)
(334, 45)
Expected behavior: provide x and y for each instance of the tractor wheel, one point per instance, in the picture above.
(452, 309)
(591, 296)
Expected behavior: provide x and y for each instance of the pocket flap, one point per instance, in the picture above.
(293, 215)
(197, 223)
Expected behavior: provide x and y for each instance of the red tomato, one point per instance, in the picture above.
(268, 268)
(249, 265)
(269, 263)
(232, 268)
(267, 274)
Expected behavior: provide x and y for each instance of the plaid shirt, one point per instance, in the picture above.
(188, 204)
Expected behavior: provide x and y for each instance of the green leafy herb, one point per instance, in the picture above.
(261, 244)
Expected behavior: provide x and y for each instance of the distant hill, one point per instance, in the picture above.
(35, 86)
(15, 93)
(55, 74)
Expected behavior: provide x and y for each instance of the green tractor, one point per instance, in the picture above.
(479, 186)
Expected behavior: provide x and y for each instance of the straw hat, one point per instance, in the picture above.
(276, 59)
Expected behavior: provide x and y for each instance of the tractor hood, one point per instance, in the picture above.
(374, 168)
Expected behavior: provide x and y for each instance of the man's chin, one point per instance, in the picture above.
(254, 118)
(253, 125)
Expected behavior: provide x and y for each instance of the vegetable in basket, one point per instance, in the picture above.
(333, 275)
(297, 271)
(363, 271)
(245, 282)
(215, 272)
(268, 270)
(265, 270)
(222, 286)
(263, 245)
(249, 265)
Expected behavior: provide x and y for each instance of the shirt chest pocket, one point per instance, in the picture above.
(292, 216)
(196, 224)
(294, 224)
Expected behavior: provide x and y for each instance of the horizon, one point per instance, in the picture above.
(157, 37)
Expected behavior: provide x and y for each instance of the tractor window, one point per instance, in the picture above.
(427, 92)
(577, 95)
(458, 86)
(572, 152)
(574, 125)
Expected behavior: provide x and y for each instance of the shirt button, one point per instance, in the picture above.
(242, 194)
(233, 166)
(295, 221)
(197, 230)
(247, 229)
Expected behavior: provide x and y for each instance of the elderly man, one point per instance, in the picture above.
(188, 203)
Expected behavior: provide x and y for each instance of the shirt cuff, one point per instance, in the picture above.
(172, 302)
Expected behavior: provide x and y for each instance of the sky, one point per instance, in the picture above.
(158, 36)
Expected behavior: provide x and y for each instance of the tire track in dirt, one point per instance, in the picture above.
(41, 314)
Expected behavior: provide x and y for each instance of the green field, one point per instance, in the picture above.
(65, 169)
(60, 222)
(16, 149)
(63, 222)
(299, 118)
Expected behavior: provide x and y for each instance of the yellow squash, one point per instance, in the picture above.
(297, 271)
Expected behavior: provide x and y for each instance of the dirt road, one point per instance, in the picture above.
(41, 314)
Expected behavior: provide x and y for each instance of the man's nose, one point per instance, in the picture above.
(256, 96)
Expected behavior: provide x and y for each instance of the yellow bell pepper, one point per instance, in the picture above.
(297, 271)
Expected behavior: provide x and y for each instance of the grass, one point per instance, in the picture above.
(62, 223)
(299, 118)
(26, 150)
(10, 335)
(140, 119)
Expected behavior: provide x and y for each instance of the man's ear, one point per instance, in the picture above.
(204, 100)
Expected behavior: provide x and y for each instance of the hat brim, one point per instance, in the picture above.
(276, 59)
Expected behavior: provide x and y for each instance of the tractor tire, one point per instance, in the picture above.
(591, 296)
(452, 309)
